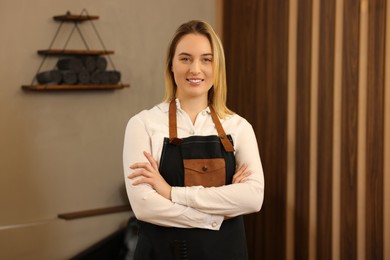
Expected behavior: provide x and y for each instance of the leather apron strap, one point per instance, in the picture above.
(221, 133)
(173, 124)
(173, 139)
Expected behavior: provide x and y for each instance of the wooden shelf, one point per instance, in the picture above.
(40, 83)
(74, 52)
(75, 18)
(94, 212)
(73, 87)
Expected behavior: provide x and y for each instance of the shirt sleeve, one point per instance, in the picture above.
(146, 203)
(234, 199)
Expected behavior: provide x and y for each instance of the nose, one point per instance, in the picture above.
(195, 68)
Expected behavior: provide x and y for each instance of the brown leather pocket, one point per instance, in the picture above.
(204, 172)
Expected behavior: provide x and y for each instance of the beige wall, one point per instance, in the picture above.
(61, 151)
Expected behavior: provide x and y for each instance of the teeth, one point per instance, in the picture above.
(195, 80)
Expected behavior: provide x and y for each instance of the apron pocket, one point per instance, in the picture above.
(204, 172)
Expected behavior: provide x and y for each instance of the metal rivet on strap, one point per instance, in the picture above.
(204, 168)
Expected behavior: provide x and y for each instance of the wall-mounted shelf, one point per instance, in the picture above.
(74, 87)
(75, 18)
(74, 52)
(45, 82)
(94, 212)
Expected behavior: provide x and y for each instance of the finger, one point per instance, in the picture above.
(143, 180)
(245, 176)
(243, 167)
(236, 178)
(140, 172)
(138, 165)
(240, 177)
(151, 160)
(243, 180)
(240, 170)
(145, 166)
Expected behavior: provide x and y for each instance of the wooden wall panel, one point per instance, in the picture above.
(375, 129)
(256, 54)
(302, 138)
(272, 126)
(350, 87)
(261, 249)
(239, 63)
(240, 69)
(325, 129)
(386, 153)
(328, 94)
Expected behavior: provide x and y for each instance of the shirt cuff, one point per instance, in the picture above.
(214, 222)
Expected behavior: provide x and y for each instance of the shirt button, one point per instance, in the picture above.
(214, 224)
(204, 113)
(192, 132)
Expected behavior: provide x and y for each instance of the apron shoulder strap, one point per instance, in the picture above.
(221, 133)
(173, 124)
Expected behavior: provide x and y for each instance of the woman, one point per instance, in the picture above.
(188, 182)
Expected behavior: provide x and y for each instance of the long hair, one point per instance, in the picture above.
(217, 93)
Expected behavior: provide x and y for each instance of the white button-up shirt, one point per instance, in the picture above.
(191, 207)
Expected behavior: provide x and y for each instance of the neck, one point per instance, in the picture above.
(192, 106)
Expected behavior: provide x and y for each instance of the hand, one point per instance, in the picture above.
(151, 176)
(241, 175)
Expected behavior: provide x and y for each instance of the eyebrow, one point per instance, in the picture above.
(187, 54)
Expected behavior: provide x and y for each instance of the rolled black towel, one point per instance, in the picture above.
(101, 63)
(96, 77)
(104, 77)
(83, 77)
(89, 62)
(114, 76)
(51, 77)
(110, 77)
(74, 64)
(69, 77)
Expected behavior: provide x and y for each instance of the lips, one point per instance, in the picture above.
(195, 81)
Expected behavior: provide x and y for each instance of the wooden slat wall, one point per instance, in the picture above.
(386, 154)
(302, 131)
(350, 87)
(375, 129)
(245, 11)
(327, 88)
(257, 68)
(325, 129)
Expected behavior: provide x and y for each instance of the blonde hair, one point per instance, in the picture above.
(217, 94)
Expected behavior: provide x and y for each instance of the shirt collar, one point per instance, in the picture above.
(164, 107)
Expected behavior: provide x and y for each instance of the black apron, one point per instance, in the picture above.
(165, 243)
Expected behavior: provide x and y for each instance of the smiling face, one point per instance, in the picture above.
(192, 67)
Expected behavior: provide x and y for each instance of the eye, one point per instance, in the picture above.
(185, 59)
(207, 60)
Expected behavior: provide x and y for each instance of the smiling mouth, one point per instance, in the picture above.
(195, 80)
